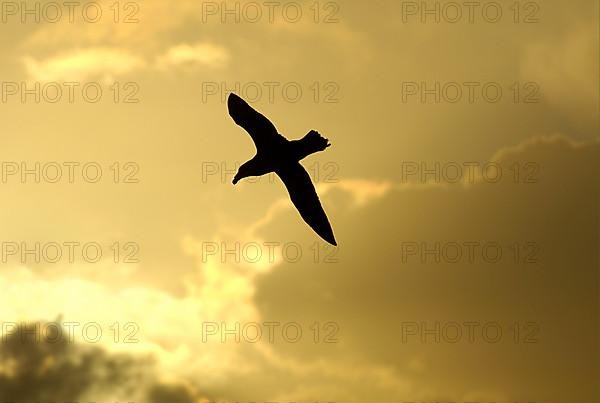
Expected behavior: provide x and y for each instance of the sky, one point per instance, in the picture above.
(461, 185)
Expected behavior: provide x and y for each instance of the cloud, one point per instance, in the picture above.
(374, 288)
(39, 367)
(172, 393)
(222, 295)
(146, 27)
(368, 294)
(200, 54)
(363, 191)
(107, 63)
(83, 64)
(566, 71)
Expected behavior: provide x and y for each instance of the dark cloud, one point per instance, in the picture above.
(40, 367)
(163, 393)
(372, 291)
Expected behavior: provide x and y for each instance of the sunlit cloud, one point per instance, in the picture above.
(200, 54)
(106, 64)
(82, 64)
(77, 299)
(362, 191)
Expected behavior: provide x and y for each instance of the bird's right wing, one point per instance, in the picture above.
(305, 198)
(258, 127)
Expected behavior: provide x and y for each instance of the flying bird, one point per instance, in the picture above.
(275, 153)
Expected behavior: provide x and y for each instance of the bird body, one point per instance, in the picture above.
(275, 153)
(281, 153)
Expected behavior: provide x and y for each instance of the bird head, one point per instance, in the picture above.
(241, 174)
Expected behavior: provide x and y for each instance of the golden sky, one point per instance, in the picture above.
(461, 185)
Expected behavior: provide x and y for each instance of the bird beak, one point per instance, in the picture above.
(235, 180)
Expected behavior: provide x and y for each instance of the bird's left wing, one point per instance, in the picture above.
(257, 125)
(305, 198)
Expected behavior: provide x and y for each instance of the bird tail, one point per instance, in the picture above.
(311, 143)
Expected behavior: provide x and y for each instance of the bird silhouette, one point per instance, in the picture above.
(275, 153)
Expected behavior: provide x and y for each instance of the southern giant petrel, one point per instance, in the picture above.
(275, 153)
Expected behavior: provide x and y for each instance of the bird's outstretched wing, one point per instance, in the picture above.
(305, 198)
(259, 127)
